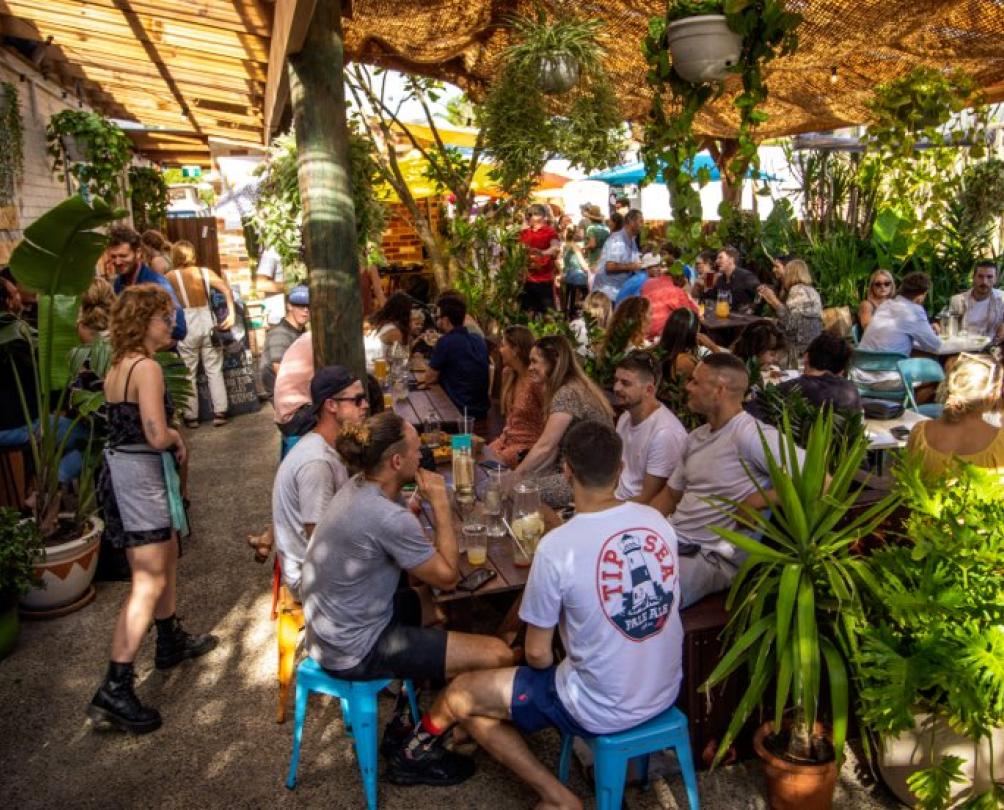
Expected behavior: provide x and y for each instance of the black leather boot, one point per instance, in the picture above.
(174, 645)
(115, 704)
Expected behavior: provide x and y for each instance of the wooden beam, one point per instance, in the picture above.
(292, 19)
(58, 15)
(317, 91)
(242, 16)
(141, 68)
(117, 80)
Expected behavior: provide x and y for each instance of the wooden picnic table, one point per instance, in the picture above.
(424, 402)
(724, 331)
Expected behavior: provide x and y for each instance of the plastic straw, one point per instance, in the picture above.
(514, 537)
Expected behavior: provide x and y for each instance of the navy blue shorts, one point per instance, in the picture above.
(536, 705)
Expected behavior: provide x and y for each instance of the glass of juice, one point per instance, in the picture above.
(476, 543)
(723, 305)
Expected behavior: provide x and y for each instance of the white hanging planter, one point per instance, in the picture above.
(557, 73)
(703, 48)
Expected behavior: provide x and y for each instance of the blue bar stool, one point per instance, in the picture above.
(612, 752)
(359, 713)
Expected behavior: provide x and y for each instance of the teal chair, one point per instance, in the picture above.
(359, 716)
(613, 752)
(855, 334)
(877, 362)
(916, 371)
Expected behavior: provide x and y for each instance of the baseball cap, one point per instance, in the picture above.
(299, 296)
(328, 382)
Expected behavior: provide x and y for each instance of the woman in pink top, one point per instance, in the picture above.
(522, 399)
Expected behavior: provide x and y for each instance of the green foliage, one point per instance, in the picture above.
(935, 640)
(796, 603)
(279, 210)
(524, 129)
(106, 150)
(11, 143)
(491, 263)
(20, 549)
(841, 263)
(148, 196)
(55, 259)
(768, 30)
(933, 786)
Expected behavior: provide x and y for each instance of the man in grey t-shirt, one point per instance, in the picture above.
(312, 471)
(359, 625)
(713, 466)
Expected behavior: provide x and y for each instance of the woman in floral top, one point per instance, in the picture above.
(800, 314)
(522, 398)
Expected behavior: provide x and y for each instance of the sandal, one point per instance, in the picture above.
(219, 419)
(192, 424)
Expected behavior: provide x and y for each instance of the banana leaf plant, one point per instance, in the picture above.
(798, 600)
(57, 260)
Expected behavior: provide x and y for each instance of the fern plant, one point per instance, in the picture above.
(935, 642)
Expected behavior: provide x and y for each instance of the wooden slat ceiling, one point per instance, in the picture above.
(194, 69)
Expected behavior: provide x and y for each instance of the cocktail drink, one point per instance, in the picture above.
(380, 370)
(527, 523)
(723, 305)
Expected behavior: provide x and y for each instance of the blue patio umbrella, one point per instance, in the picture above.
(633, 173)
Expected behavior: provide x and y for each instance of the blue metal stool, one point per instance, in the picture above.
(359, 713)
(612, 753)
(286, 444)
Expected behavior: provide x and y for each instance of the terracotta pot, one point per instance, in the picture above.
(791, 786)
(67, 570)
(703, 47)
(901, 756)
(557, 74)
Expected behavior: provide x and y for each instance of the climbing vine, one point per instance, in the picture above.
(11, 143)
(106, 150)
(149, 197)
(768, 30)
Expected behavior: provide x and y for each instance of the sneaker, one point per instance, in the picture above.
(395, 734)
(429, 765)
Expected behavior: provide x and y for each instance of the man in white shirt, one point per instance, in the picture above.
(653, 437)
(608, 581)
(714, 465)
(982, 306)
(620, 257)
(312, 471)
(898, 326)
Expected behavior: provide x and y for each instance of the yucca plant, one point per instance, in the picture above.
(935, 645)
(796, 603)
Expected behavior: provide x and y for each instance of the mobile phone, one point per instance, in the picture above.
(476, 579)
(900, 432)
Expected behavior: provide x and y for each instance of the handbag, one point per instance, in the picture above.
(227, 339)
(881, 408)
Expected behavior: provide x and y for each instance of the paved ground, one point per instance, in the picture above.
(220, 745)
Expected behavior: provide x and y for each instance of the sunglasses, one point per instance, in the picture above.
(881, 283)
(357, 400)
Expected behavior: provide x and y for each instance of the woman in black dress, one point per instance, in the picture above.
(133, 490)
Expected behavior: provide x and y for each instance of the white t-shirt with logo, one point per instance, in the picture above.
(610, 582)
(654, 447)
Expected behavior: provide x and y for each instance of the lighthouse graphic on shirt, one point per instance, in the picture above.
(635, 574)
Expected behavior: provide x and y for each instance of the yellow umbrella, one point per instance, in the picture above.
(413, 168)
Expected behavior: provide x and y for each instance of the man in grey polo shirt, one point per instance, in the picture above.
(713, 466)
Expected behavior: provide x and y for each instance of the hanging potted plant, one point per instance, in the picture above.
(149, 197)
(90, 148)
(797, 609)
(932, 657)
(703, 46)
(56, 260)
(552, 97)
(554, 53)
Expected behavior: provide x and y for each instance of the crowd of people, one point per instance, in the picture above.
(633, 467)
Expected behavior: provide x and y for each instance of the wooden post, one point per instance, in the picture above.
(317, 91)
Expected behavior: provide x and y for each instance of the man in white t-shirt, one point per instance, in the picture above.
(982, 306)
(312, 471)
(714, 465)
(653, 437)
(608, 581)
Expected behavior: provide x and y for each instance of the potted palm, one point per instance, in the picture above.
(797, 610)
(932, 658)
(56, 260)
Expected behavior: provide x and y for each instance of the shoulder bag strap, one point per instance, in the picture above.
(182, 292)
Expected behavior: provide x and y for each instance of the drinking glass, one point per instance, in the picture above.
(476, 542)
(430, 431)
(723, 306)
(380, 370)
(527, 523)
(492, 504)
(465, 425)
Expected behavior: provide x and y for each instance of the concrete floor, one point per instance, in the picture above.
(220, 745)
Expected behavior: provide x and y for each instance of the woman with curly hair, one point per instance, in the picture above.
(133, 491)
(95, 310)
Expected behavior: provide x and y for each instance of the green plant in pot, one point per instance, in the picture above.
(148, 196)
(90, 148)
(551, 97)
(19, 552)
(797, 609)
(932, 657)
(56, 260)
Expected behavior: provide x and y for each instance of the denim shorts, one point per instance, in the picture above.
(536, 705)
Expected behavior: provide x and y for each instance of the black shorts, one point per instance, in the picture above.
(404, 649)
(537, 296)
